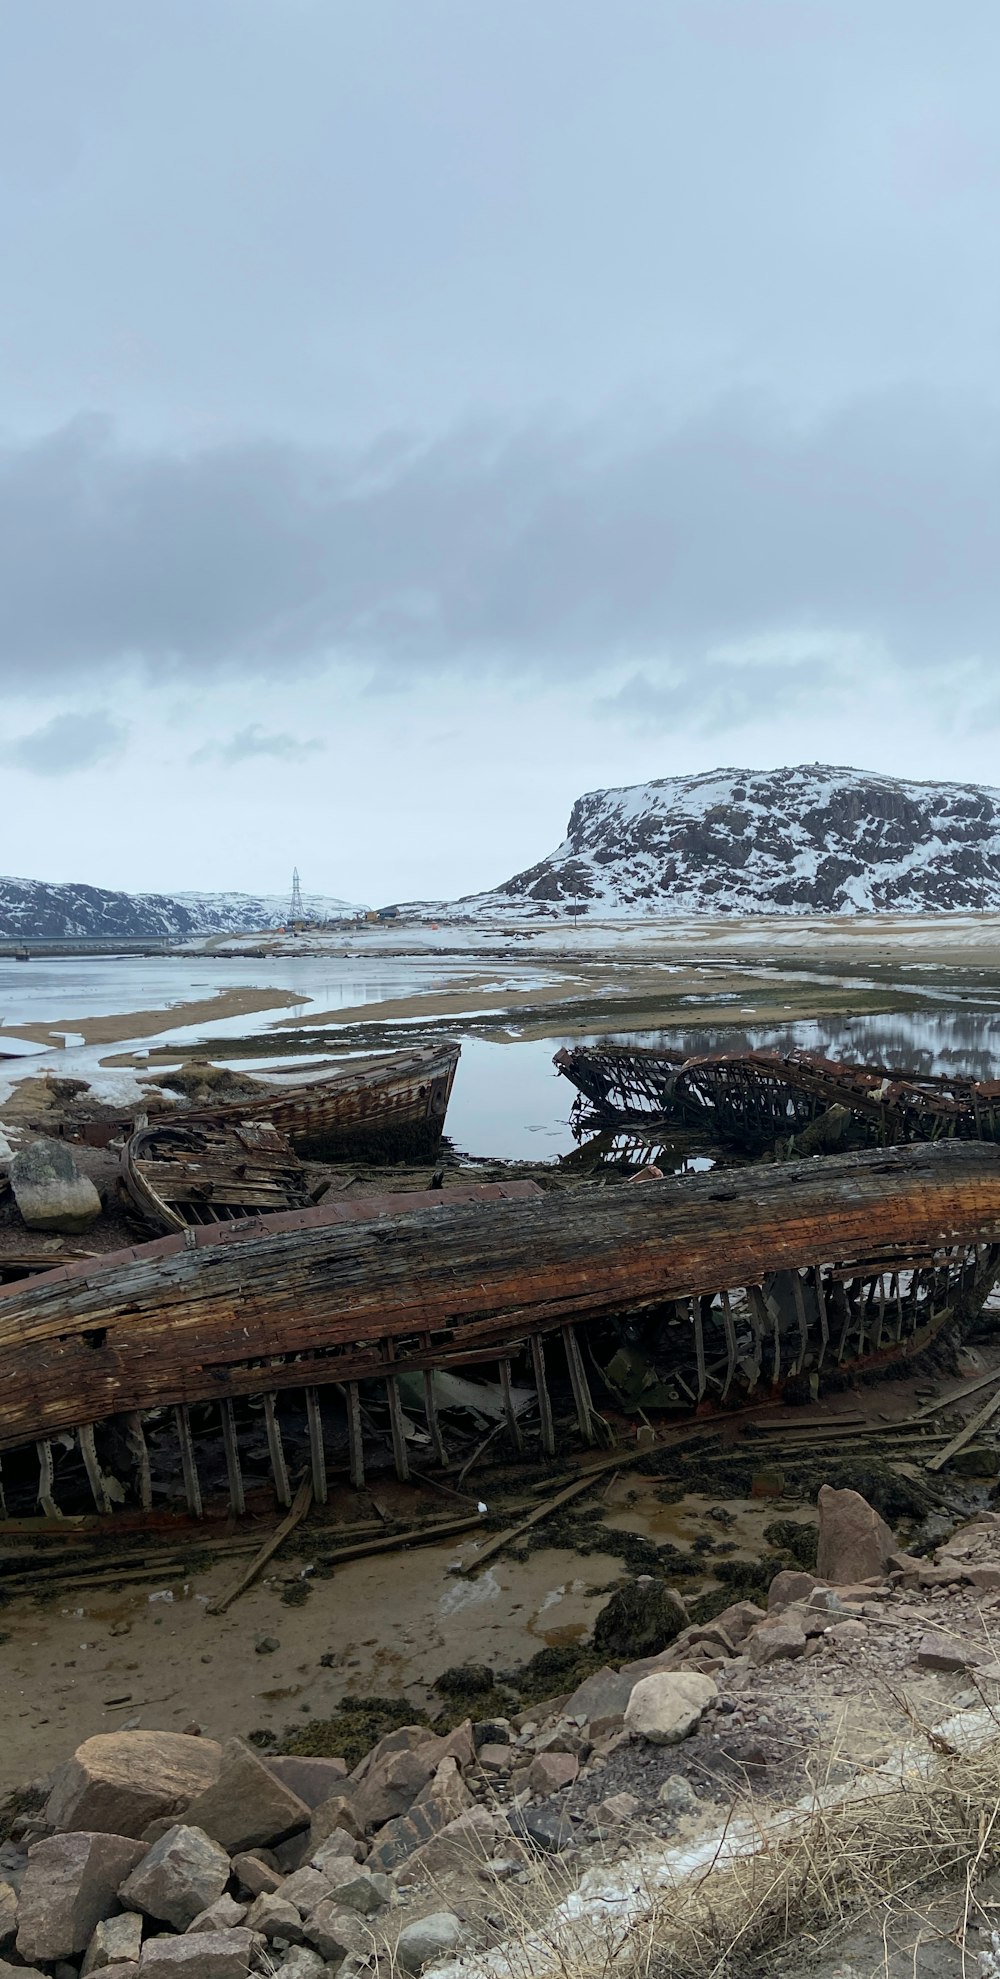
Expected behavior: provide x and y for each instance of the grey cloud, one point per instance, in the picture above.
(67, 743)
(546, 549)
(722, 695)
(254, 741)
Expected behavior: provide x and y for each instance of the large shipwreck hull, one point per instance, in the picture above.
(726, 1285)
(753, 1100)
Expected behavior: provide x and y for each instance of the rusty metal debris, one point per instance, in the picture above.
(275, 1337)
(757, 1099)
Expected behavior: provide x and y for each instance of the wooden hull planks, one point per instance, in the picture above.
(723, 1283)
(183, 1172)
(398, 1103)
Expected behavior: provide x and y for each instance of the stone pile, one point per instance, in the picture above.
(159, 1853)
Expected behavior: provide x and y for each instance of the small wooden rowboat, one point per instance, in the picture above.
(726, 1284)
(185, 1172)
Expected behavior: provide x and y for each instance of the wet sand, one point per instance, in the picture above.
(149, 1023)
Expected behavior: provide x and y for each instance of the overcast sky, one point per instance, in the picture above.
(414, 413)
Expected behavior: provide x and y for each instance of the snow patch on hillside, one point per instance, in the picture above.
(813, 839)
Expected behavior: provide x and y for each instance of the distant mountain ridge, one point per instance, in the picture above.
(40, 910)
(808, 840)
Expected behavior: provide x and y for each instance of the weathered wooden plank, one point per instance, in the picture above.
(170, 1325)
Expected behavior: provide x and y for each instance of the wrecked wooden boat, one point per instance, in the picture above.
(396, 1105)
(718, 1287)
(185, 1172)
(757, 1099)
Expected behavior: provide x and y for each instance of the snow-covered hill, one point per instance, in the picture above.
(38, 910)
(791, 841)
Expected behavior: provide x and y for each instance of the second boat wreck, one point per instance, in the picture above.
(721, 1287)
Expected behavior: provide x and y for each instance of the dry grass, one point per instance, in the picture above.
(773, 1876)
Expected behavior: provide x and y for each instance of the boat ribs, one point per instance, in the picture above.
(723, 1284)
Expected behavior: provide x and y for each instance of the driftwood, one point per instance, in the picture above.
(300, 1507)
(979, 1421)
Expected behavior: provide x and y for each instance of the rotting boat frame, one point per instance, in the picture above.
(183, 1171)
(752, 1099)
(730, 1284)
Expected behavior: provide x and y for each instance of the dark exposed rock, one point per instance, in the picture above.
(811, 839)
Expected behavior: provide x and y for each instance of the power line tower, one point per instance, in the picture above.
(295, 912)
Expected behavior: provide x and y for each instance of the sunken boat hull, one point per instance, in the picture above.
(396, 1106)
(725, 1287)
(754, 1101)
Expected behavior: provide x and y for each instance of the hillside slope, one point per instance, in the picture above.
(791, 841)
(39, 910)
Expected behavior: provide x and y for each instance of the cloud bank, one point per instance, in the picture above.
(545, 548)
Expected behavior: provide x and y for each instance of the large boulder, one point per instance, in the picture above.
(247, 1804)
(118, 1782)
(200, 1955)
(314, 1780)
(854, 1542)
(49, 1189)
(178, 1877)
(427, 1938)
(665, 1707)
(72, 1881)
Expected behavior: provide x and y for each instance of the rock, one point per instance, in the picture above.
(677, 1795)
(255, 1875)
(49, 1189)
(125, 1969)
(663, 1709)
(546, 1828)
(465, 1843)
(275, 1917)
(392, 1784)
(550, 1772)
(71, 1883)
(939, 1652)
(447, 1792)
(985, 1577)
(303, 1963)
(116, 1941)
(198, 1955)
(600, 1702)
(8, 1971)
(291, 1854)
(363, 1890)
(8, 1915)
(491, 1731)
(247, 1803)
(406, 1738)
(496, 1758)
(615, 1811)
(179, 1876)
(641, 1619)
(398, 1839)
(854, 1542)
(739, 1619)
(427, 1938)
(266, 1645)
(117, 1782)
(788, 1586)
(337, 1812)
(305, 1889)
(222, 1915)
(844, 1635)
(313, 1780)
(778, 1641)
(338, 1849)
(335, 1933)
(563, 1737)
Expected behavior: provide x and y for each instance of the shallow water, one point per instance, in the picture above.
(508, 1101)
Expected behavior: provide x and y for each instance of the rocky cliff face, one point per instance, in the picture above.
(37, 910)
(791, 841)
